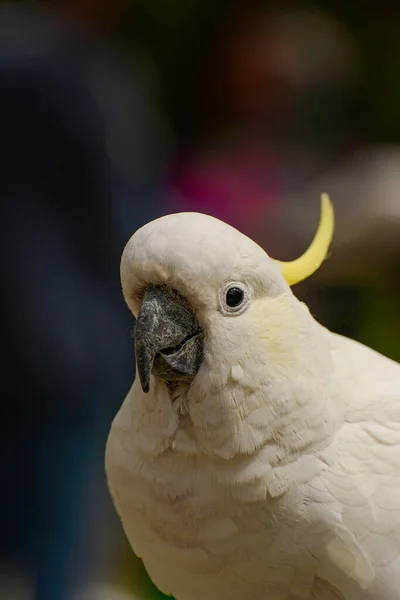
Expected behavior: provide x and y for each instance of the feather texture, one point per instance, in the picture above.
(276, 474)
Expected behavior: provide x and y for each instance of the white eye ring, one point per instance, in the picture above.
(234, 298)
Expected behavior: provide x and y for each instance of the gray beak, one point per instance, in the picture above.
(168, 339)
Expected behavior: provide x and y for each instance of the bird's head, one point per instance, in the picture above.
(217, 320)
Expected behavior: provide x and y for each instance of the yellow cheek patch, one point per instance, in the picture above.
(275, 320)
(281, 327)
(304, 266)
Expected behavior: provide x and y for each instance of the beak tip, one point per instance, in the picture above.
(144, 381)
(144, 365)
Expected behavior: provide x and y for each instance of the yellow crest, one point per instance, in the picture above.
(304, 266)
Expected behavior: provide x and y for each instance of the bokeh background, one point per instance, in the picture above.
(113, 113)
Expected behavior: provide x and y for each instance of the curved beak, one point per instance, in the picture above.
(168, 339)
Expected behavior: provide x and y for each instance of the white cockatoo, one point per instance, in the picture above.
(257, 454)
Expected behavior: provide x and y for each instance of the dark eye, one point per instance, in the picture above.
(234, 297)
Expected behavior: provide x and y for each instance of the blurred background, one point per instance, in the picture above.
(114, 112)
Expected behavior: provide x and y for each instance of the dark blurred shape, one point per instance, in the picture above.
(92, 13)
(73, 189)
(240, 81)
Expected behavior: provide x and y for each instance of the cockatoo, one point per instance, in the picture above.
(257, 454)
